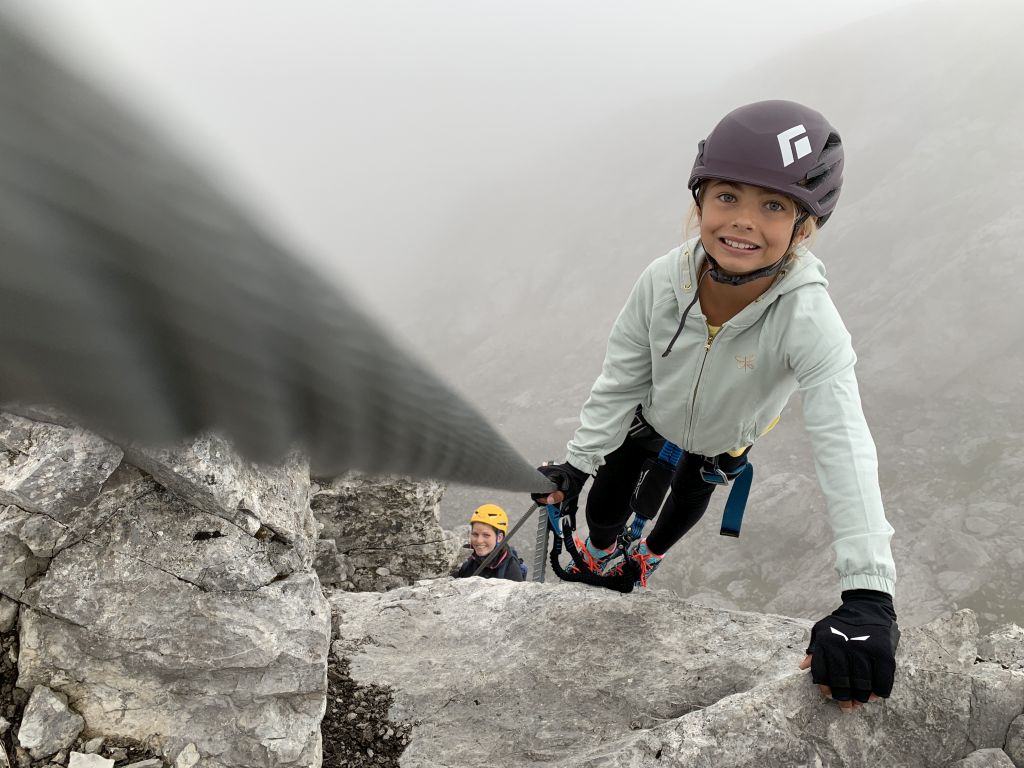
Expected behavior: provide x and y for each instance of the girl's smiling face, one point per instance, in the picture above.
(483, 539)
(744, 227)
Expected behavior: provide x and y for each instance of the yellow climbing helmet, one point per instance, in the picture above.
(491, 514)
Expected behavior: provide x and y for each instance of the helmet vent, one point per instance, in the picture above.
(700, 150)
(832, 142)
(832, 152)
(814, 176)
(827, 197)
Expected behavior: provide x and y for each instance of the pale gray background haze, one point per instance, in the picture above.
(492, 177)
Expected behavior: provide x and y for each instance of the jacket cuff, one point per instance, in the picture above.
(587, 464)
(868, 581)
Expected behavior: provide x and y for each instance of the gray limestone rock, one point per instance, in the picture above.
(584, 677)
(333, 568)
(1014, 745)
(949, 643)
(47, 725)
(39, 412)
(269, 502)
(187, 758)
(1004, 646)
(28, 540)
(18, 564)
(985, 758)
(166, 534)
(89, 760)
(997, 699)
(52, 470)
(240, 673)
(51, 477)
(8, 614)
(386, 523)
(185, 610)
(564, 663)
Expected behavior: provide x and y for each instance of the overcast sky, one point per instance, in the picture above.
(357, 126)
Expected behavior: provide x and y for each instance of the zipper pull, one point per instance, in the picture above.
(707, 344)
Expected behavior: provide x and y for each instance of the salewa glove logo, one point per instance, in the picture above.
(848, 639)
(802, 145)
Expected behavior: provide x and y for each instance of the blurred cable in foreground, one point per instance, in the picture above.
(139, 299)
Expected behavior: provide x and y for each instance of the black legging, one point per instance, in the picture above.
(608, 501)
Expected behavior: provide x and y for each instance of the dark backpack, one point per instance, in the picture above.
(517, 559)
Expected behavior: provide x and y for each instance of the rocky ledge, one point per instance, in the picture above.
(163, 608)
(496, 673)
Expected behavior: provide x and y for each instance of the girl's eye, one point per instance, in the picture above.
(727, 197)
(775, 206)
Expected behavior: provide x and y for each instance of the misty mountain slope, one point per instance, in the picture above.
(933, 177)
(923, 261)
(955, 506)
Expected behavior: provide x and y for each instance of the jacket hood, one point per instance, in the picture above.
(804, 269)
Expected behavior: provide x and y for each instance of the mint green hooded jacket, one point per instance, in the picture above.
(717, 396)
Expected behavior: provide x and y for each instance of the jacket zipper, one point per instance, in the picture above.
(696, 387)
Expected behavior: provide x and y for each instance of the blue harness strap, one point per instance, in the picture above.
(554, 522)
(732, 518)
(670, 453)
(741, 478)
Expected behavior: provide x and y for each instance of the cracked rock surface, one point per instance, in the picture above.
(50, 470)
(267, 502)
(125, 753)
(47, 725)
(387, 531)
(176, 605)
(50, 480)
(497, 673)
(985, 758)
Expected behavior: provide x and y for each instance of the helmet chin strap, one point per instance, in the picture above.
(716, 273)
(719, 276)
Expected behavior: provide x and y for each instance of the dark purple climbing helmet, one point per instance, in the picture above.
(778, 145)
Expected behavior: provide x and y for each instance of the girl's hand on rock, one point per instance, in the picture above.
(844, 706)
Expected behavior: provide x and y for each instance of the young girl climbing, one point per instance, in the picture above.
(713, 340)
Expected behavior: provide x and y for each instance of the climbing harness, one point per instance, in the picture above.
(653, 489)
(742, 477)
(563, 527)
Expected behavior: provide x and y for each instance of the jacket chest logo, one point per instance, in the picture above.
(745, 363)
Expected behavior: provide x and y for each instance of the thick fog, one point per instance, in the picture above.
(364, 128)
(492, 177)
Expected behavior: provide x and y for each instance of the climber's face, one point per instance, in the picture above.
(483, 539)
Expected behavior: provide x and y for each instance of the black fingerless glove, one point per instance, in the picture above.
(566, 477)
(853, 650)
